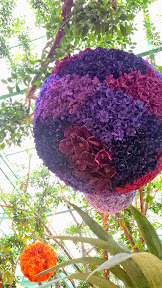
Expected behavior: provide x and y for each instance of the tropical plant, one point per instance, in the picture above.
(142, 270)
(39, 194)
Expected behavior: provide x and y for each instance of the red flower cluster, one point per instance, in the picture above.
(146, 87)
(36, 258)
(87, 157)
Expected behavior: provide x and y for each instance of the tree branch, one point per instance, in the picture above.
(87, 252)
(54, 212)
(66, 9)
(1, 282)
(71, 280)
(141, 199)
(127, 233)
(27, 180)
(105, 254)
(135, 199)
(57, 284)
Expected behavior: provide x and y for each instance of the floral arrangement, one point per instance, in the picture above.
(35, 258)
(97, 125)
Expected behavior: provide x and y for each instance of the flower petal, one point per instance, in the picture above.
(66, 146)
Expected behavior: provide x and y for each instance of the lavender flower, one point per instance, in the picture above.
(112, 203)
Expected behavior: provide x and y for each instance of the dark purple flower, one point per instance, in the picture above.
(102, 62)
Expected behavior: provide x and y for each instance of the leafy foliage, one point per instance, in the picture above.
(6, 21)
(137, 272)
(10, 249)
(12, 125)
(152, 35)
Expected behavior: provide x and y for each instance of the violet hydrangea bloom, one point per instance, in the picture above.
(44, 88)
(112, 203)
(97, 125)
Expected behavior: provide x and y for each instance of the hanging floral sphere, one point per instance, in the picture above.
(36, 258)
(97, 125)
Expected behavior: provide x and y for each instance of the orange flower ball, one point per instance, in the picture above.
(36, 258)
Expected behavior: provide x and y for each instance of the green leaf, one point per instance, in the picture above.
(123, 17)
(115, 260)
(128, 28)
(114, 247)
(84, 31)
(151, 267)
(119, 34)
(9, 80)
(66, 29)
(17, 88)
(38, 82)
(102, 244)
(108, 37)
(130, 16)
(10, 89)
(135, 274)
(21, 73)
(84, 260)
(28, 70)
(2, 146)
(159, 68)
(123, 30)
(14, 75)
(4, 81)
(122, 275)
(100, 282)
(148, 232)
(95, 280)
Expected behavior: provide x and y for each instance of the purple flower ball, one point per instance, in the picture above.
(98, 125)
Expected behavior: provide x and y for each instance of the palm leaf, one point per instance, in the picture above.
(148, 232)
